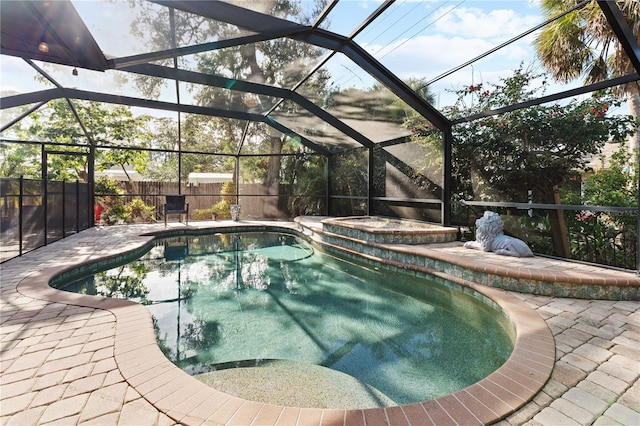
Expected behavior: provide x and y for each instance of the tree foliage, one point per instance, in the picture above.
(57, 123)
(307, 175)
(614, 184)
(280, 62)
(607, 237)
(20, 159)
(501, 157)
(582, 44)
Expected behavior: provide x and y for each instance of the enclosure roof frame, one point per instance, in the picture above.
(47, 15)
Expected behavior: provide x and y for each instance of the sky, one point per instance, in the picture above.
(423, 39)
(414, 39)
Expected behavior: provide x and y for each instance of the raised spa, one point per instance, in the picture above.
(265, 316)
(389, 230)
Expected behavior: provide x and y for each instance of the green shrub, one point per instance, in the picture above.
(107, 186)
(202, 214)
(108, 193)
(222, 209)
(138, 209)
(228, 192)
(115, 213)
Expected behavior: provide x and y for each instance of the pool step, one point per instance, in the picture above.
(389, 230)
(482, 268)
(296, 384)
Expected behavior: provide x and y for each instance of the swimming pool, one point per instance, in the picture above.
(227, 300)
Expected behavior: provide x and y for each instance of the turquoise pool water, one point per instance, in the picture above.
(221, 301)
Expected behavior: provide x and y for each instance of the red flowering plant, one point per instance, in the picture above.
(500, 157)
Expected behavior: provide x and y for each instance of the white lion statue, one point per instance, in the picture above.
(489, 237)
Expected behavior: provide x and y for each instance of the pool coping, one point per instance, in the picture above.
(491, 269)
(188, 401)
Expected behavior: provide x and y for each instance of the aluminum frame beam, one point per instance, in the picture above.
(259, 22)
(551, 98)
(125, 61)
(623, 32)
(47, 95)
(235, 15)
(30, 98)
(249, 87)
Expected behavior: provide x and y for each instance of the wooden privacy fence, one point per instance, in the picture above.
(254, 198)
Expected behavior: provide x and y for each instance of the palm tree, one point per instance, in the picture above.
(582, 43)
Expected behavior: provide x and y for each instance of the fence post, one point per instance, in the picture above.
(328, 187)
(77, 206)
(45, 173)
(20, 214)
(64, 208)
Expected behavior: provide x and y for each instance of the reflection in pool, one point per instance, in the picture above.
(225, 300)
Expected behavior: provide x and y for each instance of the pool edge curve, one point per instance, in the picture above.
(188, 401)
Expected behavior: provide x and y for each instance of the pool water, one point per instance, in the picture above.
(229, 300)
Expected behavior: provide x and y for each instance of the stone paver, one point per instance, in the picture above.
(593, 353)
(585, 400)
(551, 416)
(573, 411)
(592, 380)
(58, 366)
(623, 415)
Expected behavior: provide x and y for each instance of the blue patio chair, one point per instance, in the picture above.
(176, 204)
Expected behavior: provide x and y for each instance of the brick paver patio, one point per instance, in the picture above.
(58, 363)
